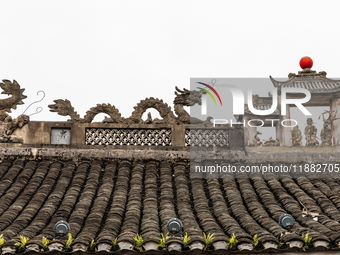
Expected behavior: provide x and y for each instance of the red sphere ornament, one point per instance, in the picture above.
(306, 62)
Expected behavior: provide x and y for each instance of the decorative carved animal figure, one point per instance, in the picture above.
(7, 124)
(183, 98)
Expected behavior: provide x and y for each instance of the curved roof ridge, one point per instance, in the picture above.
(317, 84)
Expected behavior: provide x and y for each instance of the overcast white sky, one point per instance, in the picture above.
(120, 52)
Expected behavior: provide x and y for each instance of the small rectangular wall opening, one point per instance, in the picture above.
(61, 136)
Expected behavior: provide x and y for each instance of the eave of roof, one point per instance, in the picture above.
(314, 82)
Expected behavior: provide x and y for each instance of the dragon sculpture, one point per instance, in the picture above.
(186, 97)
(183, 98)
(7, 124)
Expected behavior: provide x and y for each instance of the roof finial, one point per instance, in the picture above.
(306, 62)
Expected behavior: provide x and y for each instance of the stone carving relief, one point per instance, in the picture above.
(183, 98)
(326, 132)
(296, 136)
(7, 124)
(65, 108)
(129, 137)
(257, 139)
(310, 133)
(163, 109)
(206, 137)
(272, 142)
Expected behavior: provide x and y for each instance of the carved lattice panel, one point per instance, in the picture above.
(132, 137)
(206, 137)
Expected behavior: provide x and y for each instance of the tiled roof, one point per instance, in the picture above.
(107, 199)
(313, 83)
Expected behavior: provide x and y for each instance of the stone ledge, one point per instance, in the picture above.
(251, 155)
(77, 153)
(329, 154)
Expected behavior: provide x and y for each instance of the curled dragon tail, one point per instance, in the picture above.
(110, 110)
(163, 108)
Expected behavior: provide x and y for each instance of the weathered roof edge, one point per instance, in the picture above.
(76, 153)
(248, 155)
(291, 251)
